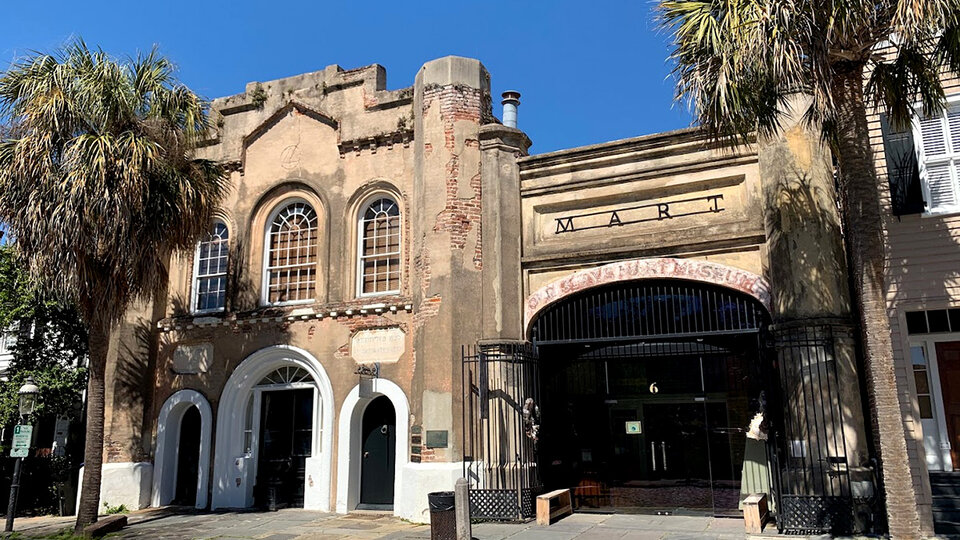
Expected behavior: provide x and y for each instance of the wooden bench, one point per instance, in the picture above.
(755, 513)
(551, 505)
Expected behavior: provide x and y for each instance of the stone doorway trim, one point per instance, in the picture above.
(635, 269)
(234, 470)
(168, 443)
(350, 429)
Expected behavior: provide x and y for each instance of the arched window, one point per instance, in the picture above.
(210, 270)
(378, 265)
(291, 259)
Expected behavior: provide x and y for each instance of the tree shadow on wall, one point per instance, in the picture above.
(811, 272)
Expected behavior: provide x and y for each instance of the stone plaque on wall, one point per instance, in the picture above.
(192, 359)
(384, 345)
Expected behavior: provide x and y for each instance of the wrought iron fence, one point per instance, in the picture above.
(813, 488)
(500, 425)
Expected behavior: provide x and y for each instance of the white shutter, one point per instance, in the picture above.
(940, 185)
(931, 130)
(953, 127)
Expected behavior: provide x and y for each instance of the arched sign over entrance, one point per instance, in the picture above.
(663, 268)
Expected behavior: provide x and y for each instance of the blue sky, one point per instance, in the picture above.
(589, 72)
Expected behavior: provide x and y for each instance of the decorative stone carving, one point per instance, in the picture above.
(192, 359)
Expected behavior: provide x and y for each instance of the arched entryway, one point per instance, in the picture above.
(274, 437)
(366, 411)
(648, 389)
(182, 464)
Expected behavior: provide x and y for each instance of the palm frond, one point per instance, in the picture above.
(97, 180)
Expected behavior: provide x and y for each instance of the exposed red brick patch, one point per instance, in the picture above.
(461, 210)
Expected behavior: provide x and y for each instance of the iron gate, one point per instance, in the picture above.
(813, 487)
(500, 424)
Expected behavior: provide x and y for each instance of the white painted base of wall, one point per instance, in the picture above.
(316, 493)
(418, 480)
(129, 484)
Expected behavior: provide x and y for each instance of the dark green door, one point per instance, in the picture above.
(286, 434)
(379, 455)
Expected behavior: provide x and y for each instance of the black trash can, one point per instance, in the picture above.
(443, 515)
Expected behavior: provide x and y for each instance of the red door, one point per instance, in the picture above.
(948, 358)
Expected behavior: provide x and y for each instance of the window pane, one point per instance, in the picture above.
(926, 408)
(211, 277)
(954, 320)
(380, 247)
(292, 261)
(937, 319)
(916, 322)
(923, 382)
(918, 356)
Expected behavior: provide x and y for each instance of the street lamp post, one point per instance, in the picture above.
(21, 443)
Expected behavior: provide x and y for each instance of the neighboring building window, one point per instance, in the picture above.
(210, 270)
(939, 137)
(933, 321)
(379, 248)
(291, 265)
(918, 358)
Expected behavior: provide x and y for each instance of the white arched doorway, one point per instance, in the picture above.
(238, 421)
(349, 444)
(167, 459)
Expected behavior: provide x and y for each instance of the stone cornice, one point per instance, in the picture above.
(287, 314)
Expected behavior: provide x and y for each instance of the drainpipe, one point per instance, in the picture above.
(511, 98)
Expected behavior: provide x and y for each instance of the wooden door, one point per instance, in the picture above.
(379, 449)
(286, 433)
(948, 360)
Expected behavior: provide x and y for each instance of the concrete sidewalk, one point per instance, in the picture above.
(179, 524)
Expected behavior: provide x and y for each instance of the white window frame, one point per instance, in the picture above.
(195, 282)
(929, 343)
(265, 278)
(952, 156)
(360, 257)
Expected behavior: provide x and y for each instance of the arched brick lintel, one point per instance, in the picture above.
(655, 268)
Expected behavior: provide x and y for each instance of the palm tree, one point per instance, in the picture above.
(98, 188)
(739, 62)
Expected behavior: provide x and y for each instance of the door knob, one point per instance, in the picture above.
(366, 454)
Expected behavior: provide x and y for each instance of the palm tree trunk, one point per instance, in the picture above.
(864, 233)
(93, 449)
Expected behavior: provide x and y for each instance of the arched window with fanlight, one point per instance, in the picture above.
(290, 274)
(378, 264)
(210, 270)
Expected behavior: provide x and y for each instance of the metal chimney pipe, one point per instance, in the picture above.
(511, 98)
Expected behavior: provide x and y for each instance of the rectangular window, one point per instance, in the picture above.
(933, 321)
(918, 357)
(939, 137)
